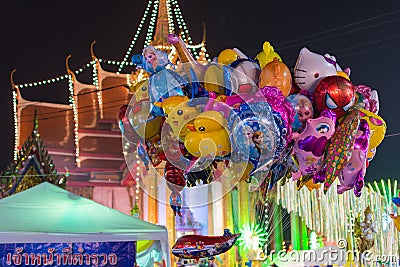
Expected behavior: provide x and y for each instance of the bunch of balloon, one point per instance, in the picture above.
(193, 116)
(343, 147)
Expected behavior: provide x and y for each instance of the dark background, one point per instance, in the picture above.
(36, 37)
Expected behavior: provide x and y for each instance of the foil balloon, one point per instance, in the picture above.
(367, 98)
(174, 176)
(276, 74)
(353, 173)
(335, 93)
(377, 126)
(267, 55)
(125, 127)
(275, 98)
(339, 149)
(198, 246)
(152, 60)
(205, 175)
(311, 67)
(253, 134)
(310, 144)
(243, 74)
(303, 111)
(227, 56)
(208, 136)
(186, 57)
(175, 182)
(146, 125)
(214, 79)
(141, 90)
(178, 114)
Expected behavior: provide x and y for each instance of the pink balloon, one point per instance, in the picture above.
(310, 144)
(353, 173)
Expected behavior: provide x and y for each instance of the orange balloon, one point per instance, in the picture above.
(276, 74)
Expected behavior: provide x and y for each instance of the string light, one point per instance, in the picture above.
(150, 30)
(182, 25)
(16, 130)
(139, 29)
(170, 18)
(96, 84)
(76, 124)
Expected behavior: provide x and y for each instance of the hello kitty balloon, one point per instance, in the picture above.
(311, 67)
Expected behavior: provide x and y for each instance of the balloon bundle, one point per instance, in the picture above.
(251, 118)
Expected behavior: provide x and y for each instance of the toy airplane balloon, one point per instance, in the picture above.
(198, 246)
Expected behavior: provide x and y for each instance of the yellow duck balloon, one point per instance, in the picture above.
(267, 55)
(208, 136)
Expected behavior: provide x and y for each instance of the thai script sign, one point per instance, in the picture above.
(118, 254)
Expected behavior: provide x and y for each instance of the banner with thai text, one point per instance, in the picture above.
(120, 254)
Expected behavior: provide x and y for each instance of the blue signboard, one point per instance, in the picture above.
(120, 254)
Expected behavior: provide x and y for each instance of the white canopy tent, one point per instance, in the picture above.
(49, 214)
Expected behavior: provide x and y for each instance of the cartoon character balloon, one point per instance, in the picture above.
(353, 173)
(311, 67)
(304, 111)
(152, 60)
(208, 136)
(310, 144)
(335, 93)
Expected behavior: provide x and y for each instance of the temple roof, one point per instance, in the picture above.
(32, 167)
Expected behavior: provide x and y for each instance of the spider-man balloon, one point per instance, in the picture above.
(335, 93)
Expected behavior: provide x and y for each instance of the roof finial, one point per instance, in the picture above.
(92, 49)
(67, 64)
(12, 78)
(204, 33)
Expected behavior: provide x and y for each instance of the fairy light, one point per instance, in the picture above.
(16, 132)
(150, 30)
(76, 124)
(139, 29)
(96, 84)
(170, 18)
(182, 25)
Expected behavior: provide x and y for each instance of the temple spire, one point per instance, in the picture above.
(162, 27)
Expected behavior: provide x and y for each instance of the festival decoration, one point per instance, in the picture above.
(365, 231)
(252, 236)
(198, 246)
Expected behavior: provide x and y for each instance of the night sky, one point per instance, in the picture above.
(36, 37)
